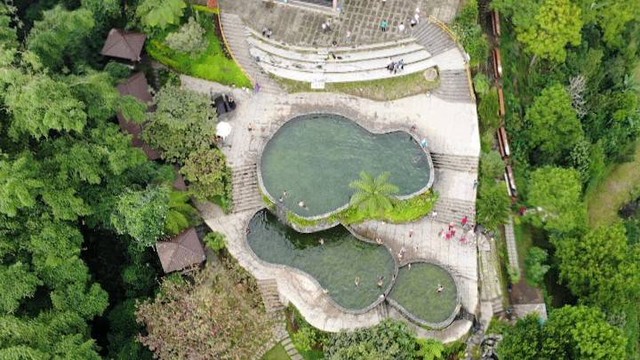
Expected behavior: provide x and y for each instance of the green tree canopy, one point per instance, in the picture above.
(373, 195)
(554, 126)
(208, 173)
(387, 340)
(60, 36)
(142, 214)
(160, 13)
(545, 27)
(183, 122)
(601, 268)
(557, 194)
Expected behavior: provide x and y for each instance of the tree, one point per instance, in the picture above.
(210, 317)
(493, 204)
(40, 104)
(535, 265)
(570, 333)
(142, 214)
(208, 173)
(16, 283)
(523, 341)
(387, 340)
(189, 38)
(373, 195)
(545, 27)
(579, 332)
(160, 14)
(183, 123)
(19, 184)
(554, 125)
(557, 193)
(60, 36)
(601, 269)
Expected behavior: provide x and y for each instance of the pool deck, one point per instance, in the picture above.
(450, 127)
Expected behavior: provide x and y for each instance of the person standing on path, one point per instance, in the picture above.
(401, 28)
(410, 233)
(384, 25)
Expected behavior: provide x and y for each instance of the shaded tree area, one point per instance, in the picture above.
(75, 236)
(572, 110)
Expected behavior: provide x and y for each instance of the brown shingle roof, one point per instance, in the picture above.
(180, 252)
(138, 87)
(123, 45)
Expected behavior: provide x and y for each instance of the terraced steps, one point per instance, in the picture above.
(455, 162)
(270, 296)
(497, 306)
(454, 86)
(433, 38)
(246, 193)
(235, 33)
(450, 210)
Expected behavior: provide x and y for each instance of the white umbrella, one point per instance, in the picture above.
(223, 129)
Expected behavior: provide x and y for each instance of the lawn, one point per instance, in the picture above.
(621, 185)
(276, 353)
(212, 64)
(381, 90)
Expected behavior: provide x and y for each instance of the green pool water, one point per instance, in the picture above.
(335, 264)
(315, 157)
(416, 290)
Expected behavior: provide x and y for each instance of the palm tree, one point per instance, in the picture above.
(373, 196)
(181, 214)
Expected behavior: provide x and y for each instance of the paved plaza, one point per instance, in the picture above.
(360, 18)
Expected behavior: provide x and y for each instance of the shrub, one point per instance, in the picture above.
(488, 110)
(491, 165)
(481, 84)
(493, 204)
(514, 274)
(189, 39)
(215, 241)
(536, 267)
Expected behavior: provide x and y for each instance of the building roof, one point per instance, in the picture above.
(181, 251)
(123, 45)
(138, 87)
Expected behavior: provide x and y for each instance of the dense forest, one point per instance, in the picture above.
(573, 111)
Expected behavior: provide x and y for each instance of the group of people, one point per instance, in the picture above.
(380, 282)
(450, 233)
(396, 66)
(266, 32)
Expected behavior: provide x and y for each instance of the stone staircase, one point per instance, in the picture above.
(497, 306)
(455, 162)
(246, 194)
(270, 296)
(453, 210)
(433, 38)
(454, 86)
(235, 33)
(383, 310)
(512, 250)
(291, 349)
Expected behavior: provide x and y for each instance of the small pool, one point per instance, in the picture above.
(335, 264)
(315, 157)
(416, 290)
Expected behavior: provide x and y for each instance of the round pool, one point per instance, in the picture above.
(312, 159)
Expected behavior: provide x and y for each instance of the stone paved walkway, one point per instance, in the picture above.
(361, 18)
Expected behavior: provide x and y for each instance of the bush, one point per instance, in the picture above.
(488, 110)
(470, 34)
(305, 338)
(514, 274)
(493, 204)
(189, 39)
(481, 84)
(215, 241)
(536, 267)
(491, 165)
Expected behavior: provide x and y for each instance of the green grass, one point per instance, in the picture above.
(276, 353)
(213, 64)
(381, 90)
(621, 185)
